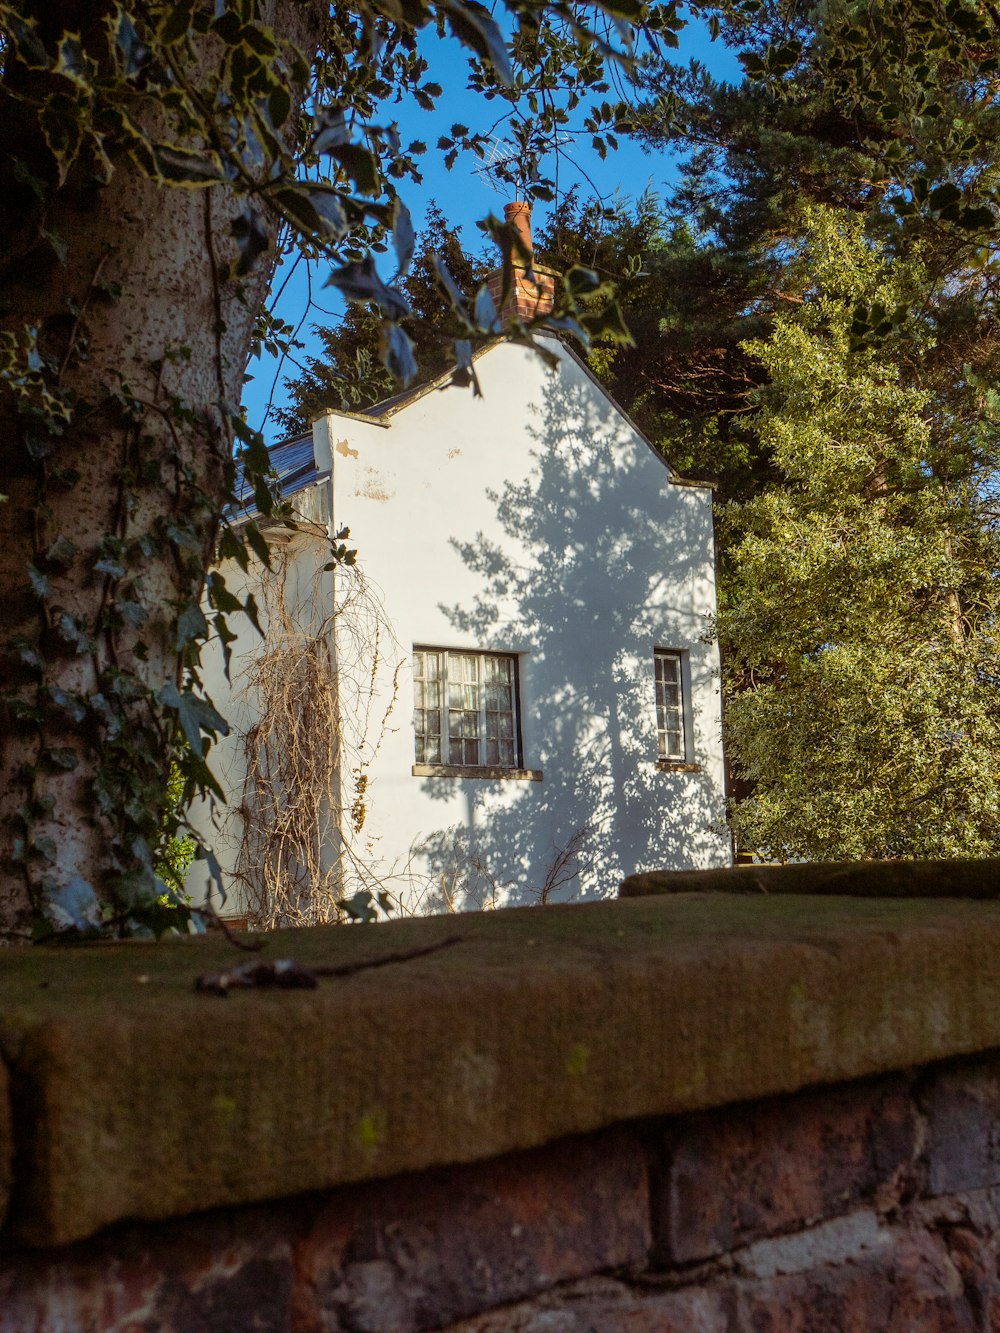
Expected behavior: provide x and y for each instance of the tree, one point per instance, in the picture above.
(689, 305)
(887, 113)
(861, 624)
(152, 155)
(349, 374)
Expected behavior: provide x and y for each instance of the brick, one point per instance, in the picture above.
(962, 1104)
(755, 1170)
(603, 1306)
(909, 1286)
(912, 1286)
(221, 1273)
(424, 1250)
(969, 1227)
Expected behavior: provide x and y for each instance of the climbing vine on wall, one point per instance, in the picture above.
(317, 719)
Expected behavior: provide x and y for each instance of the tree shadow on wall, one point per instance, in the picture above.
(599, 560)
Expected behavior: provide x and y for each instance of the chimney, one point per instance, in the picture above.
(531, 289)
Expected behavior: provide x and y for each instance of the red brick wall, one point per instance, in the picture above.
(870, 1207)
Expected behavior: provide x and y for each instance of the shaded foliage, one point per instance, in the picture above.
(349, 374)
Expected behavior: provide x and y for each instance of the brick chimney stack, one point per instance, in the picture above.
(531, 289)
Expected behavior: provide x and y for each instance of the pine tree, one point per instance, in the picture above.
(349, 373)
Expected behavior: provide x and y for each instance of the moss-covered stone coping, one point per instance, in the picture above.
(133, 1096)
(863, 879)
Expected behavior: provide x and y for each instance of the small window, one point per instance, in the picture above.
(670, 731)
(465, 711)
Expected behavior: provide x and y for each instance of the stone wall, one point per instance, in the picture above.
(871, 1205)
(686, 1114)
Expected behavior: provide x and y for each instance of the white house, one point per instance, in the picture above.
(514, 697)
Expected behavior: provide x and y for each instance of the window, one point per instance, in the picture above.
(670, 730)
(465, 709)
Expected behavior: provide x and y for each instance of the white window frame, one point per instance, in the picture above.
(666, 711)
(483, 763)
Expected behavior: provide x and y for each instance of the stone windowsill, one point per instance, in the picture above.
(126, 1094)
(493, 771)
(676, 766)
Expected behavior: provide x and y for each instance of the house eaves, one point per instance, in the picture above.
(381, 414)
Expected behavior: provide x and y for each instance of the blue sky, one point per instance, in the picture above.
(465, 195)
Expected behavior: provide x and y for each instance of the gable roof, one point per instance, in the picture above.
(295, 463)
(389, 407)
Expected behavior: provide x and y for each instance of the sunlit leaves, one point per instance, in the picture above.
(861, 608)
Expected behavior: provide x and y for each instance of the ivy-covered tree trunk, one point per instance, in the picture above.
(124, 333)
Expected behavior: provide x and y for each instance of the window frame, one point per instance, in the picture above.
(444, 767)
(682, 762)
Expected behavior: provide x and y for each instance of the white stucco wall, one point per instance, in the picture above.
(533, 520)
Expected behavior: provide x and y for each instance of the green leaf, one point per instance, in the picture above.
(403, 238)
(197, 717)
(186, 166)
(360, 282)
(74, 906)
(62, 757)
(39, 583)
(177, 21)
(943, 196)
(23, 33)
(251, 238)
(191, 624)
(258, 545)
(397, 353)
(135, 55)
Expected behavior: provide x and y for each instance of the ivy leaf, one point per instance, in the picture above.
(359, 164)
(360, 907)
(397, 353)
(39, 583)
(74, 906)
(70, 704)
(191, 624)
(403, 238)
(197, 717)
(185, 166)
(360, 282)
(62, 757)
(485, 311)
(258, 544)
(251, 239)
(23, 33)
(471, 23)
(254, 457)
(135, 54)
(60, 552)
